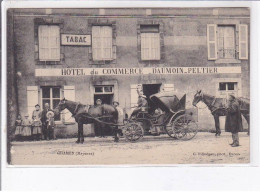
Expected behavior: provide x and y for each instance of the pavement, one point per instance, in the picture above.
(205, 148)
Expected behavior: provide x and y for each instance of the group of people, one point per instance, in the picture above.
(39, 127)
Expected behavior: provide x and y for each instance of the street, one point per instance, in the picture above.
(205, 148)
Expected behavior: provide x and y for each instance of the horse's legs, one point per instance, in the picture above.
(78, 140)
(216, 118)
(81, 136)
(80, 132)
(246, 116)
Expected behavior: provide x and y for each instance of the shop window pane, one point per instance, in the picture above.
(231, 86)
(108, 89)
(46, 92)
(56, 92)
(98, 89)
(222, 86)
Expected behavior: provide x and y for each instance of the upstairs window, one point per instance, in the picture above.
(150, 42)
(49, 43)
(226, 42)
(102, 43)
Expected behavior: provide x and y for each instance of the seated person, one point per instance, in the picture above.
(142, 105)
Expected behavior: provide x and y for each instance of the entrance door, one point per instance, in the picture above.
(150, 89)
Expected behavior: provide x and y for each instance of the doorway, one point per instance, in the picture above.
(104, 93)
(148, 90)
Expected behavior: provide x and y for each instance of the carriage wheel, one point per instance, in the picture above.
(133, 131)
(184, 127)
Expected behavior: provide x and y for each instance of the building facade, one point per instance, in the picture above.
(86, 54)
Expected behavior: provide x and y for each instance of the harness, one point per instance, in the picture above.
(211, 106)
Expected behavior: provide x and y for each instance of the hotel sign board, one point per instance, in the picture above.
(137, 71)
(75, 40)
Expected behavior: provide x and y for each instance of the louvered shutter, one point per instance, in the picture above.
(69, 94)
(49, 43)
(212, 41)
(145, 42)
(32, 99)
(107, 42)
(96, 43)
(54, 43)
(243, 41)
(43, 43)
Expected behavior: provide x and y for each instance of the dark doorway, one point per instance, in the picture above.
(150, 89)
(106, 98)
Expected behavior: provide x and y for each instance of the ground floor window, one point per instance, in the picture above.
(51, 95)
(227, 88)
(104, 93)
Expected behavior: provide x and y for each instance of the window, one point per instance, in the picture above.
(102, 43)
(226, 42)
(227, 88)
(150, 42)
(49, 43)
(51, 95)
(105, 93)
(223, 45)
(104, 89)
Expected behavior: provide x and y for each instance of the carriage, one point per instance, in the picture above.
(175, 120)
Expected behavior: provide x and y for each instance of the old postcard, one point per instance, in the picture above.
(128, 86)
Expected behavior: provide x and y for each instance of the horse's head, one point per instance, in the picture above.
(197, 98)
(62, 105)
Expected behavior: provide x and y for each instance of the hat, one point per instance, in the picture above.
(37, 105)
(116, 102)
(26, 115)
(50, 114)
(98, 100)
(232, 96)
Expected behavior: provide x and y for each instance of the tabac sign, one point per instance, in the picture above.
(77, 40)
(137, 71)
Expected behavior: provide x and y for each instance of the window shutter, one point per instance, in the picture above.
(32, 99)
(96, 43)
(212, 41)
(43, 43)
(54, 43)
(243, 41)
(145, 43)
(134, 96)
(168, 87)
(107, 43)
(156, 46)
(49, 43)
(69, 94)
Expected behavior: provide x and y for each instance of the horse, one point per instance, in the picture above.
(87, 114)
(217, 106)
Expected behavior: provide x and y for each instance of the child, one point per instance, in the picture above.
(50, 125)
(36, 128)
(18, 128)
(26, 124)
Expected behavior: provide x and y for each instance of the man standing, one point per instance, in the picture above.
(98, 127)
(120, 117)
(44, 121)
(233, 120)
